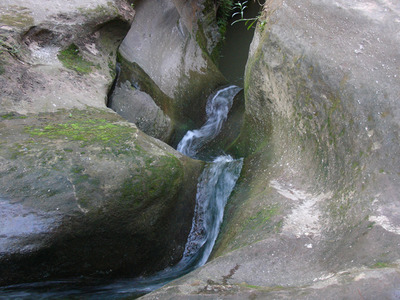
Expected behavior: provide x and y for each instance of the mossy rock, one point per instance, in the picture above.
(114, 197)
(71, 59)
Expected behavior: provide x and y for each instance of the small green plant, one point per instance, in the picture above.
(249, 22)
(11, 116)
(12, 49)
(71, 59)
(223, 10)
(380, 265)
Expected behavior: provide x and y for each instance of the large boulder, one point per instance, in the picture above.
(84, 192)
(316, 212)
(167, 54)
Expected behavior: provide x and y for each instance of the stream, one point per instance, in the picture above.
(214, 187)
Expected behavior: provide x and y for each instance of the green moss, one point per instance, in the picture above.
(71, 59)
(202, 41)
(153, 181)
(380, 265)
(77, 169)
(17, 16)
(11, 116)
(112, 136)
(260, 218)
(111, 67)
(254, 137)
(370, 225)
(86, 189)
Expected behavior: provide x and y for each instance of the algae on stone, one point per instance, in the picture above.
(71, 59)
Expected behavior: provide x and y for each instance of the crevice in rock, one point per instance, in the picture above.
(113, 85)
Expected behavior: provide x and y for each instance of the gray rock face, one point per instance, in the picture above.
(139, 108)
(316, 212)
(168, 52)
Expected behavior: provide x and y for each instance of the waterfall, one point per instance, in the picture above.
(213, 190)
(217, 110)
(215, 183)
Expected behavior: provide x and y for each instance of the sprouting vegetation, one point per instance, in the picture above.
(380, 265)
(239, 9)
(6, 47)
(71, 59)
(12, 115)
(224, 10)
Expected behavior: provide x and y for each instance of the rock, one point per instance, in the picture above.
(139, 108)
(59, 55)
(83, 191)
(166, 61)
(36, 38)
(316, 211)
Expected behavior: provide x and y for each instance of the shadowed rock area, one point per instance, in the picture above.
(315, 213)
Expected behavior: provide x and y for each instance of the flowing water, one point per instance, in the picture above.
(213, 190)
(217, 110)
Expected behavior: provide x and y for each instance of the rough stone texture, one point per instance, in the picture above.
(138, 107)
(161, 45)
(83, 192)
(32, 33)
(316, 211)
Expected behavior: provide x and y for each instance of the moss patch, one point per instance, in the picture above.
(152, 182)
(71, 59)
(17, 16)
(12, 115)
(111, 136)
(380, 265)
(260, 218)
